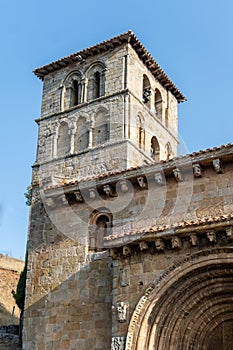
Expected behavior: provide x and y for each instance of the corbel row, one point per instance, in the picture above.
(125, 186)
(174, 243)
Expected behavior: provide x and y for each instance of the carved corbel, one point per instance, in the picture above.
(141, 182)
(78, 196)
(159, 179)
(229, 232)
(143, 245)
(178, 175)
(159, 244)
(217, 166)
(92, 193)
(176, 242)
(113, 253)
(197, 170)
(50, 202)
(124, 186)
(193, 239)
(108, 191)
(211, 235)
(126, 251)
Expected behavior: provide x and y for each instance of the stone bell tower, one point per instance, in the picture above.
(106, 108)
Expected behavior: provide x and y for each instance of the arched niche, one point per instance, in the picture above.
(82, 134)
(168, 150)
(101, 132)
(63, 140)
(188, 307)
(100, 226)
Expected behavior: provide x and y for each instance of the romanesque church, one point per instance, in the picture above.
(129, 244)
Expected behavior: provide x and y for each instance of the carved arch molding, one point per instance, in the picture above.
(190, 307)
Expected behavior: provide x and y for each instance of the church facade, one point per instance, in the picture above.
(129, 245)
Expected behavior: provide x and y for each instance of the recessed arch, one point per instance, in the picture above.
(101, 131)
(63, 140)
(82, 134)
(181, 309)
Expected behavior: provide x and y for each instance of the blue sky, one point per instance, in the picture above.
(191, 40)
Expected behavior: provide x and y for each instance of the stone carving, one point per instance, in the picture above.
(229, 232)
(78, 196)
(50, 202)
(193, 239)
(141, 182)
(92, 193)
(126, 250)
(211, 235)
(143, 245)
(217, 166)
(159, 244)
(108, 190)
(124, 277)
(176, 242)
(197, 170)
(177, 174)
(121, 311)
(118, 343)
(124, 186)
(113, 253)
(159, 179)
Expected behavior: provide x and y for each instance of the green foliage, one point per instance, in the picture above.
(19, 295)
(28, 195)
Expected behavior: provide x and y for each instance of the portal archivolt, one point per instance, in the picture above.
(190, 307)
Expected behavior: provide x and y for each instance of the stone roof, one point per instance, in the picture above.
(128, 37)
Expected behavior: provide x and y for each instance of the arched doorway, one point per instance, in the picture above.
(190, 307)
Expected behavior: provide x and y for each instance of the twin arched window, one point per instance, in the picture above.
(79, 88)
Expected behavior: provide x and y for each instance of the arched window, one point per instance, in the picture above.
(63, 141)
(72, 91)
(158, 104)
(96, 81)
(101, 128)
(168, 150)
(100, 227)
(146, 91)
(155, 149)
(81, 137)
(141, 132)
